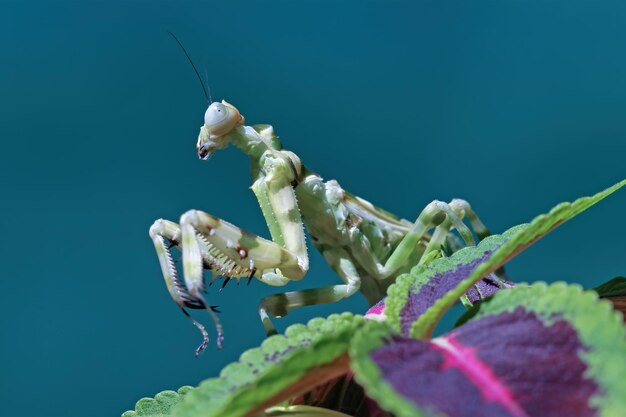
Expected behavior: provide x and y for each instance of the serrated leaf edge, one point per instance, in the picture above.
(158, 398)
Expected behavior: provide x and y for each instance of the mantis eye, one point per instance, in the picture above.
(221, 118)
(215, 114)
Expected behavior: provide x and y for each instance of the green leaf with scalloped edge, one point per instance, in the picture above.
(281, 368)
(418, 300)
(159, 406)
(530, 351)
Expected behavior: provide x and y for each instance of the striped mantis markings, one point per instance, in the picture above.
(366, 246)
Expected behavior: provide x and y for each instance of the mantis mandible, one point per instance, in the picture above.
(366, 246)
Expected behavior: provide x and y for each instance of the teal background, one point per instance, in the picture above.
(513, 105)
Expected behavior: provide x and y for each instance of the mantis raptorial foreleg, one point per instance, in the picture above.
(164, 229)
(209, 242)
(233, 252)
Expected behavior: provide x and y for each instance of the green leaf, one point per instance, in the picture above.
(159, 406)
(282, 367)
(531, 350)
(458, 273)
(613, 288)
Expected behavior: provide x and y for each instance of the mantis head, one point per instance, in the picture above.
(219, 120)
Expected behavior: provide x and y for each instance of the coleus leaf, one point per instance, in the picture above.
(481, 291)
(531, 351)
(416, 301)
(159, 406)
(283, 367)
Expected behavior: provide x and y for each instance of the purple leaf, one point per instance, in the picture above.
(466, 373)
(532, 351)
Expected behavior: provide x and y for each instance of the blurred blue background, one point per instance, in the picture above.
(514, 106)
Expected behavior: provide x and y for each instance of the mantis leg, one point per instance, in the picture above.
(207, 242)
(460, 208)
(416, 246)
(279, 305)
(232, 253)
(235, 253)
(159, 232)
(439, 215)
(477, 225)
(443, 217)
(482, 232)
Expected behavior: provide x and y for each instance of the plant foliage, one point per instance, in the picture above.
(538, 350)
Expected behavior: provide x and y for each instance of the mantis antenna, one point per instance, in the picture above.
(206, 80)
(206, 91)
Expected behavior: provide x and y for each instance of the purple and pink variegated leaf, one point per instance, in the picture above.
(531, 351)
(483, 289)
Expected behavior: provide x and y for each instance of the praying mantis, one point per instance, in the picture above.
(366, 246)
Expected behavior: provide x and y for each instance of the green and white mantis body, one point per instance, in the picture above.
(365, 245)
